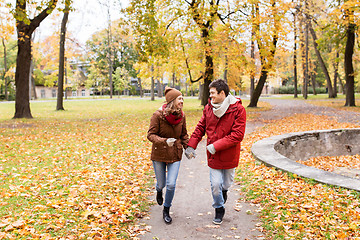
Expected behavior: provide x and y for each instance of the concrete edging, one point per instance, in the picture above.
(265, 152)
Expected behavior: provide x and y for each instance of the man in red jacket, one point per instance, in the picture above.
(223, 121)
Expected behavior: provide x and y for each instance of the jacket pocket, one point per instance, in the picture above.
(159, 152)
(179, 150)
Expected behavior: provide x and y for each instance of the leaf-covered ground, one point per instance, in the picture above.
(80, 173)
(330, 163)
(335, 103)
(76, 179)
(292, 207)
(85, 173)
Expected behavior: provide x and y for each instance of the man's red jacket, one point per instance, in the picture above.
(225, 133)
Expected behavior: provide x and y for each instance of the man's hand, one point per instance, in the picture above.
(211, 148)
(190, 153)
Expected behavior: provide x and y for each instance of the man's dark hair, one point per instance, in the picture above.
(220, 85)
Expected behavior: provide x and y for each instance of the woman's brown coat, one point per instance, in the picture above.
(159, 131)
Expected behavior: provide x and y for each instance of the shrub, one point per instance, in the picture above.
(11, 97)
(291, 90)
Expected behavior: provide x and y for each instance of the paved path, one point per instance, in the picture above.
(192, 212)
(284, 108)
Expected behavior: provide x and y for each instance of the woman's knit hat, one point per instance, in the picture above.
(171, 94)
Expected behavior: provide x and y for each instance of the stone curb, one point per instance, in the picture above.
(264, 151)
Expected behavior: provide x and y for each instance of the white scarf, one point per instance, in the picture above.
(221, 108)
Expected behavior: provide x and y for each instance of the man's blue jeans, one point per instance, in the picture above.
(168, 179)
(220, 179)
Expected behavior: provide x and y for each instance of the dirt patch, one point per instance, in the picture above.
(16, 125)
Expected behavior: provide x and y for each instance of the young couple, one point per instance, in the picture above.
(223, 121)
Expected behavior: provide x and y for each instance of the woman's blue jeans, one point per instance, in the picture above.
(168, 180)
(220, 179)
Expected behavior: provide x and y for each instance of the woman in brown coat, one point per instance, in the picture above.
(168, 135)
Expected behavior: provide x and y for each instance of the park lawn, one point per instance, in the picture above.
(292, 207)
(80, 173)
(84, 172)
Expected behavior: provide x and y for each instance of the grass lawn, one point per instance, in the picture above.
(80, 173)
(84, 172)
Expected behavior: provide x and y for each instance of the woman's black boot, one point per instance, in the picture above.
(159, 197)
(166, 215)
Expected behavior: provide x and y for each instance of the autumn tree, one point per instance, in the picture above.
(148, 34)
(295, 13)
(25, 27)
(205, 15)
(349, 8)
(6, 31)
(124, 55)
(121, 79)
(310, 15)
(267, 35)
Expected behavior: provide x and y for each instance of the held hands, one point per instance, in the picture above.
(190, 153)
(170, 141)
(211, 148)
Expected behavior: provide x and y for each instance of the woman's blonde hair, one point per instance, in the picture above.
(171, 109)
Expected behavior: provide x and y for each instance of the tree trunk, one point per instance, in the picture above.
(110, 78)
(252, 72)
(343, 88)
(5, 69)
(306, 74)
(295, 60)
(321, 61)
(59, 104)
(23, 60)
(206, 25)
(32, 79)
(24, 31)
(173, 80)
(31, 85)
(226, 65)
(209, 67)
(313, 78)
(152, 84)
(254, 98)
(110, 59)
(302, 48)
(348, 64)
(336, 73)
(159, 89)
(141, 89)
(66, 88)
(252, 51)
(266, 63)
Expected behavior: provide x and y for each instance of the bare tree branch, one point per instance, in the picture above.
(38, 19)
(194, 81)
(172, 21)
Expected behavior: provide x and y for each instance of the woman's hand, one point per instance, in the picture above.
(170, 141)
